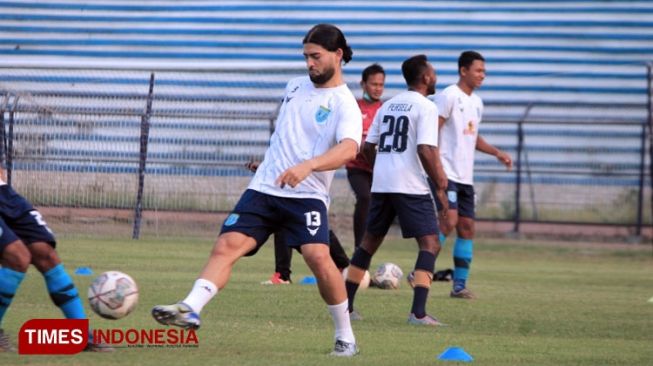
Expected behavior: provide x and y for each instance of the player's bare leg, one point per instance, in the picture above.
(214, 276)
(15, 261)
(446, 224)
(424, 267)
(229, 247)
(332, 290)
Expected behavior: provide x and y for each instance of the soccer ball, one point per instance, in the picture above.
(365, 282)
(113, 295)
(387, 276)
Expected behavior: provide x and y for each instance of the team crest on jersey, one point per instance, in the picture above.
(322, 114)
(231, 219)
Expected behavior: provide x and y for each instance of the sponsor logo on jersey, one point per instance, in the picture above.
(322, 114)
(470, 130)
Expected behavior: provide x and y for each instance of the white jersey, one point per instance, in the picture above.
(403, 122)
(311, 120)
(459, 133)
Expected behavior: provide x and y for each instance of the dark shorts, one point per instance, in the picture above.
(257, 215)
(415, 212)
(20, 221)
(460, 197)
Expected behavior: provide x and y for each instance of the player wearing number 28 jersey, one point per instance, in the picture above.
(405, 133)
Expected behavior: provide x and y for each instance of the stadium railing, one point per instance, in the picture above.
(72, 138)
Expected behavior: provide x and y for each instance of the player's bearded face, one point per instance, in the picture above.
(432, 79)
(321, 76)
(321, 64)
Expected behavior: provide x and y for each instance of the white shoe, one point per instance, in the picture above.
(344, 349)
(180, 315)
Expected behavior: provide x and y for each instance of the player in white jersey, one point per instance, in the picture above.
(461, 111)
(317, 131)
(405, 130)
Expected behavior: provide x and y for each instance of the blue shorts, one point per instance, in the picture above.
(20, 221)
(460, 197)
(415, 212)
(257, 215)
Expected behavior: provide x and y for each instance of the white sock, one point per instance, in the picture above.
(202, 292)
(340, 316)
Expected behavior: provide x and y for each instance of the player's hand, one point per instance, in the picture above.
(505, 159)
(442, 214)
(442, 197)
(295, 175)
(252, 165)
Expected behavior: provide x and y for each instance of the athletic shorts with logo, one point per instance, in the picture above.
(460, 197)
(258, 215)
(20, 221)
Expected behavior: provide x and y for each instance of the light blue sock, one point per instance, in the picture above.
(462, 259)
(9, 282)
(63, 292)
(443, 239)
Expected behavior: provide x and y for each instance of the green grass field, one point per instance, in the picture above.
(539, 304)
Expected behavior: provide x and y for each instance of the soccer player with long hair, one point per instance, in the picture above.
(317, 131)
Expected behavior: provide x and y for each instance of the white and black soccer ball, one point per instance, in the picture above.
(365, 282)
(387, 276)
(113, 295)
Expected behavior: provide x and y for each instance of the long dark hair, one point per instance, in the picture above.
(329, 37)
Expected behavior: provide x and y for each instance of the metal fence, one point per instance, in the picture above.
(150, 144)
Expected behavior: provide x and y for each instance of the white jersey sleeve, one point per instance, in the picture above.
(445, 102)
(349, 122)
(427, 126)
(373, 131)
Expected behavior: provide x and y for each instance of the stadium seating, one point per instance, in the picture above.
(555, 50)
(572, 62)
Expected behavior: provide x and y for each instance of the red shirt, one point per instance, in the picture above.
(369, 111)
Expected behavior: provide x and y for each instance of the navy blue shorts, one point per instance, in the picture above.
(20, 221)
(257, 215)
(460, 197)
(415, 212)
